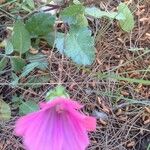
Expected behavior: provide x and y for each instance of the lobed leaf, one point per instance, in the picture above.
(28, 107)
(97, 13)
(40, 24)
(74, 14)
(3, 63)
(31, 3)
(17, 64)
(8, 47)
(128, 23)
(21, 38)
(28, 68)
(78, 44)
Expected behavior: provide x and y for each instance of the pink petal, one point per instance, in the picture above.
(90, 123)
(66, 102)
(57, 126)
(22, 123)
(74, 134)
(41, 133)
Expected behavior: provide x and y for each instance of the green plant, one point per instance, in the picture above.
(76, 40)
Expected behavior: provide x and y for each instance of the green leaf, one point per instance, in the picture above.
(58, 91)
(24, 6)
(130, 80)
(8, 47)
(50, 38)
(17, 64)
(15, 80)
(28, 68)
(37, 81)
(76, 2)
(40, 24)
(28, 107)
(60, 42)
(34, 63)
(16, 101)
(40, 59)
(128, 23)
(97, 13)
(74, 14)
(30, 3)
(3, 63)
(81, 20)
(73, 10)
(31, 66)
(21, 38)
(78, 44)
(5, 112)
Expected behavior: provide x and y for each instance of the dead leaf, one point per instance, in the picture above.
(104, 123)
(130, 144)
(33, 51)
(2, 1)
(147, 109)
(119, 112)
(5, 112)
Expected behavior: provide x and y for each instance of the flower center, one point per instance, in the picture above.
(59, 108)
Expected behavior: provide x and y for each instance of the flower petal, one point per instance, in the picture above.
(57, 126)
(75, 135)
(60, 100)
(42, 133)
(23, 123)
(89, 123)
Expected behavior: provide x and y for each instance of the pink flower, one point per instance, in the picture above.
(57, 126)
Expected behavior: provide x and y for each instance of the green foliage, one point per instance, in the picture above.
(37, 81)
(128, 23)
(26, 71)
(97, 13)
(30, 3)
(40, 24)
(17, 64)
(60, 42)
(74, 14)
(8, 47)
(3, 63)
(25, 107)
(28, 68)
(76, 41)
(79, 45)
(21, 38)
(124, 16)
(58, 91)
(40, 59)
(120, 78)
(28, 107)
(25, 5)
(16, 101)
(37, 61)
(76, 2)
(72, 10)
(50, 38)
(5, 112)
